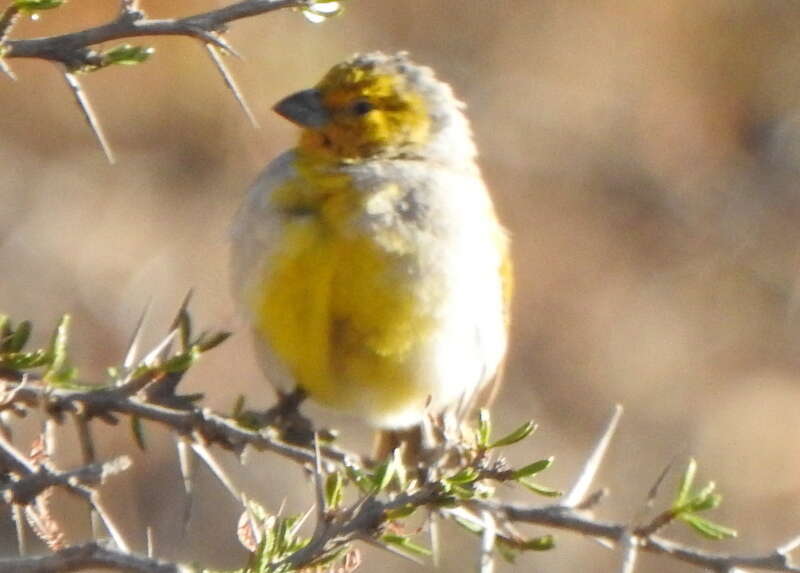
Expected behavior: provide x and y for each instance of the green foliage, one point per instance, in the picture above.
(688, 504)
(12, 343)
(532, 469)
(404, 544)
(517, 435)
(334, 490)
(484, 428)
(452, 485)
(126, 55)
(510, 550)
(36, 5)
(270, 538)
(13, 356)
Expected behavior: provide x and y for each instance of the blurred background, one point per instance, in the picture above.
(645, 157)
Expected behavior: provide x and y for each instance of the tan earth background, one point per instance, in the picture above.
(645, 157)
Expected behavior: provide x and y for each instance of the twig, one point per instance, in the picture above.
(88, 556)
(195, 422)
(72, 49)
(560, 517)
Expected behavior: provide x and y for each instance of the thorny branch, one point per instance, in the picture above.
(364, 520)
(196, 423)
(74, 49)
(90, 556)
(454, 483)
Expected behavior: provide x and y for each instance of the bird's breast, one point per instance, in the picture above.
(342, 302)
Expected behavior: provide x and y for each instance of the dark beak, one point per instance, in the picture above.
(304, 108)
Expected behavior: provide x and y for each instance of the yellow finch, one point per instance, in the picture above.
(368, 259)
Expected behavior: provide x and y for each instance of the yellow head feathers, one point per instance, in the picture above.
(371, 105)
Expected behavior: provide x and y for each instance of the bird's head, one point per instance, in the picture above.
(377, 105)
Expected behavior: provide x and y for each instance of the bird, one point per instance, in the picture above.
(368, 260)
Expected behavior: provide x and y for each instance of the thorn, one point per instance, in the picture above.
(88, 114)
(318, 485)
(301, 520)
(6, 69)
(592, 465)
(150, 542)
(163, 347)
(231, 83)
(49, 436)
(88, 456)
(205, 455)
(109, 523)
(187, 473)
(181, 323)
(630, 550)
(22, 538)
(135, 341)
(216, 39)
(487, 542)
(653, 493)
(435, 539)
(789, 546)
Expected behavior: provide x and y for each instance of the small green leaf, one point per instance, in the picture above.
(464, 475)
(181, 362)
(5, 329)
(446, 501)
(138, 432)
(383, 475)
(711, 501)
(206, 342)
(463, 491)
(540, 489)
(127, 55)
(34, 5)
(543, 543)
(532, 469)
(405, 544)
(517, 435)
(484, 427)
(25, 360)
(60, 372)
(507, 552)
(334, 490)
(685, 486)
(183, 323)
(16, 342)
(470, 526)
(708, 528)
(360, 478)
(238, 406)
(400, 512)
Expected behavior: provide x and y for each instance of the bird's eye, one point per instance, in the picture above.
(362, 107)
